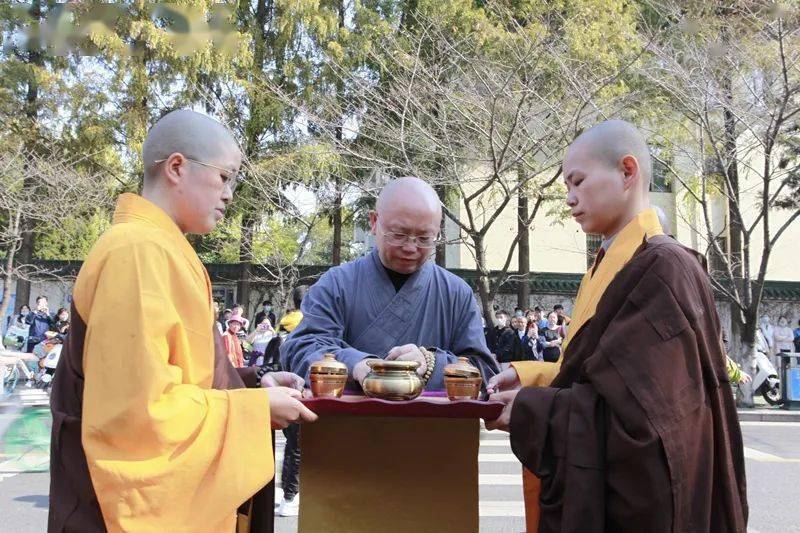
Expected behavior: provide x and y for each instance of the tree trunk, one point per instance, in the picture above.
(441, 249)
(484, 283)
(336, 218)
(8, 279)
(523, 253)
(735, 225)
(36, 59)
(745, 353)
(336, 222)
(23, 295)
(245, 260)
(253, 131)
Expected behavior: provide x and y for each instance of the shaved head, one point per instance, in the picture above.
(408, 190)
(187, 132)
(407, 208)
(607, 172)
(191, 164)
(612, 140)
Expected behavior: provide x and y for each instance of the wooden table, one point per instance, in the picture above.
(371, 465)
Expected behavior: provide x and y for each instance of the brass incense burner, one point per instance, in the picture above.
(462, 380)
(328, 377)
(392, 380)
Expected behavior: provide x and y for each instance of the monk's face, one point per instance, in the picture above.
(203, 195)
(394, 224)
(596, 192)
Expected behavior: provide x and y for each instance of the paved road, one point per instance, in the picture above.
(772, 454)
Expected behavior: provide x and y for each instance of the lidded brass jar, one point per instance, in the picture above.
(462, 380)
(328, 377)
(392, 380)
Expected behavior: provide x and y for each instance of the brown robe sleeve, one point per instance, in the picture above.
(592, 467)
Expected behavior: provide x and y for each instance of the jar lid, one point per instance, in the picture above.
(379, 365)
(462, 369)
(328, 365)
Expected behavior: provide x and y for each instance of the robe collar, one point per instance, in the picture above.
(133, 208)
(416, 280)
(619, 252)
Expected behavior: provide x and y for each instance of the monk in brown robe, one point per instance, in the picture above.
(635, 429)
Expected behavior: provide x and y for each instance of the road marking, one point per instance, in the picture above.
(494, 442)
(497, 458)
(764, 457)
(500, 479)
(770, 424)
(504, 509)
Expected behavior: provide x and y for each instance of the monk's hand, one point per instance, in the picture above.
(285, 407)
(504, 420)
(507, 380)
(409, 352)
(283, 379)
(361, 370)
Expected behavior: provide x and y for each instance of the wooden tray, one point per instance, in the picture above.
(426, 406)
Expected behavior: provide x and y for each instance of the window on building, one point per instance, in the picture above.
(661, 181)
(593, 243)
(716, 263)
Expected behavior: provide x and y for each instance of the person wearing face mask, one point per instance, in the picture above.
(766, 329)
(393, 303)
(17, 330)
(783, 336)
(514, 344)
(797, 337)
(62, 323)
(20, 319)
(266, 311)
(259, 339)
(40, 322)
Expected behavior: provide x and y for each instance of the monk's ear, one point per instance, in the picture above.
(175, 168)
(373, 221)
(630, 171)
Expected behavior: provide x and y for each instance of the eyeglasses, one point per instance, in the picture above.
(231, 178)
(420, 241)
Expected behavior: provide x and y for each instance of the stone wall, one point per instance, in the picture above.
(59, 294)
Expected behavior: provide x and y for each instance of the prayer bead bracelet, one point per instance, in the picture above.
(430, 362)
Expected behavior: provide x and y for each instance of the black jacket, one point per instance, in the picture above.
(511, 347)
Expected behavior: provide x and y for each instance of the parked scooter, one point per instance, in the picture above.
(766, 380)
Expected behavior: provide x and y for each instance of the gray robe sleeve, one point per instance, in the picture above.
(467, 340)
(321, 331)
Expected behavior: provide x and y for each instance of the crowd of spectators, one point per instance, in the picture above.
(528, 335)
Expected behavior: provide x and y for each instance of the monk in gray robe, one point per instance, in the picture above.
(394, 303)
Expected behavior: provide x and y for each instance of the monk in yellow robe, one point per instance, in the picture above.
(635, 428)
(153, 429)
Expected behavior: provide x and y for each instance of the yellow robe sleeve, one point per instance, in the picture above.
(536, 373)
(165, 452)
